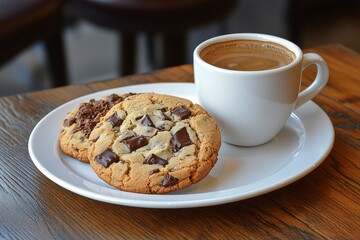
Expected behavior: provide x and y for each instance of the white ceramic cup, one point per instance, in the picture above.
(251, 107)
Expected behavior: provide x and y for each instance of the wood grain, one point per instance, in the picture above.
(323, 205)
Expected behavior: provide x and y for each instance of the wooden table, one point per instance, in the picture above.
(323, 205)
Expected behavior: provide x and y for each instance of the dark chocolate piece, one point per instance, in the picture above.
(153, 159)
(135, 142)
(147, 121)
(169, 180)
(114, 98)
(182, 112)
(107, 157)
(154, 171)
(115, 120)
(181, 139)
(69, 122)
(164, 116)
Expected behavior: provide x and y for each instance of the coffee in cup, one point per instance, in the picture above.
(247, 55)
(250, 83)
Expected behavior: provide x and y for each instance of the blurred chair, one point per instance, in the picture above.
(170, 20)
(23, 23)
(302, 14)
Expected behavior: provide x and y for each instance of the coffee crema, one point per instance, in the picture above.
(247, 55)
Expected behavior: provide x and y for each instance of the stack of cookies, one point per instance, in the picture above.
(144, 143)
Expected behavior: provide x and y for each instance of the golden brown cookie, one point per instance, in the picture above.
(78, 124)
(152, 143)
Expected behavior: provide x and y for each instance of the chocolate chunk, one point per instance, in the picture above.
(163, 116)
(107, 157)
(153, 159)
(69, 122)
(181, 139)
(114, 98)
(147, 122)
(169, 180)
(154, 171)
(115, 120)
(182, 112)
(135, 142)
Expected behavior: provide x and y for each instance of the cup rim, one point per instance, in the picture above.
(249, 36)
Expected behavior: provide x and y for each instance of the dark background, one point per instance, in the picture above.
(92, 50)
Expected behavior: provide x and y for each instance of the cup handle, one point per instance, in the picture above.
(320, 81)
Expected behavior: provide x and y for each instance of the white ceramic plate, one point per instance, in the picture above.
(240, 173)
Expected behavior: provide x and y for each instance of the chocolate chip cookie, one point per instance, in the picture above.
(153, 143)
(78, 124)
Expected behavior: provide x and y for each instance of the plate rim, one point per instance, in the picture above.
(166, 204)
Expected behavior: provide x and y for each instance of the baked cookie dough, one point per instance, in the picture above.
(153, 143)
(78, 124)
